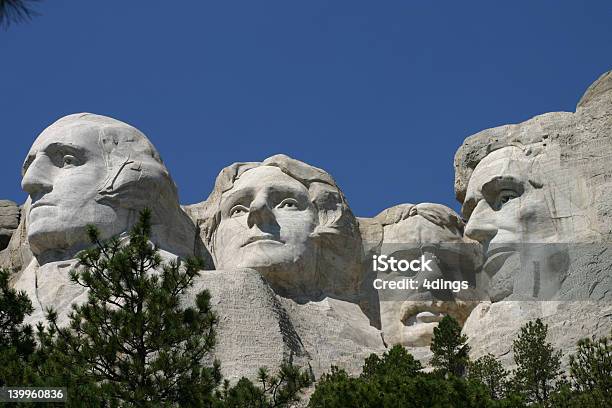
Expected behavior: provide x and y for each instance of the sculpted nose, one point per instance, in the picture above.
(260, 213)
(36, 180)
(481, 225)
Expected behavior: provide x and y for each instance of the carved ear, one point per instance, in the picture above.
(135, 172)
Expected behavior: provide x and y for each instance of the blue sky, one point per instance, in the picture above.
(380, 94)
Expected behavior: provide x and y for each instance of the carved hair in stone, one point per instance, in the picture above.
(289, 221)
(435, 231)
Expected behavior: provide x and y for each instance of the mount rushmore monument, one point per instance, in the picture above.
(290, 267)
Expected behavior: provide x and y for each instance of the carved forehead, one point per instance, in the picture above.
(508, 161)
(264, 177)
(418, 230)
(73, 134)
(97, 133)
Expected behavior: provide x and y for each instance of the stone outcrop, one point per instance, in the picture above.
(9, 220)
(492, 327)
(17, 255)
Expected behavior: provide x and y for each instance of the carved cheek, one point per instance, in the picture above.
(535, 218)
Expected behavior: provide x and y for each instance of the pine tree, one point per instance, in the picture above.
(591, 368)
(271, 391)
(396, 362)
(538, 363)
(395, 380)
(16, 11)
(450, 351)
(488, 371)
(132, 339)
(16, 340)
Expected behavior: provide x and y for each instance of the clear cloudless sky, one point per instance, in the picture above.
(378, 93)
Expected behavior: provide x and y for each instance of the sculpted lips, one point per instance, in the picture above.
(266, 238)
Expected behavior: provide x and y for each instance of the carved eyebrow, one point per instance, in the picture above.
(497, 183)
(489, 190)
(235, 195)
(50, 148)
(63, 146)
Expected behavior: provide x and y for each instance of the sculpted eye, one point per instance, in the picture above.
(504, 196)
(238, 210)
(289, 203)
(69, 160)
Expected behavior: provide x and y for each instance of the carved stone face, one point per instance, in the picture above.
(409, 317)
(62, 174)
(267, 219)
(512, 219)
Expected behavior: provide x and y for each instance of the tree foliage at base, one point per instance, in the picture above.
(591, 371)
(449, 347)
(280, 390)
(538, 364)
(132, 339)
(16, 340)
(396, 380)
(488, 371)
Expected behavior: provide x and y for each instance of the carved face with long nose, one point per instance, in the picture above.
(62, 174)
(510, 216)
(267, 221)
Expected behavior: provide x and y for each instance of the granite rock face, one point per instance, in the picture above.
(492, 327)
(538, 197)
(17, 255)
(9, 220)
(254, 329)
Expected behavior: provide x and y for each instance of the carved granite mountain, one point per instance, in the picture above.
(538, 196)
(289, 263)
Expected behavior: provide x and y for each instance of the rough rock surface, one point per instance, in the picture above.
(492, 327)
(17, 255)
(254, 329)
(9, 220)
(334, 332)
